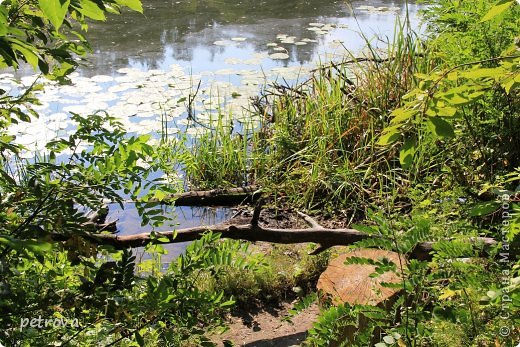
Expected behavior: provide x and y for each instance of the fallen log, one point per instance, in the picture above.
(220, 197)
(324, 237)
(214, 197)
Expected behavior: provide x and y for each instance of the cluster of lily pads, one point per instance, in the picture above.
(145, 102)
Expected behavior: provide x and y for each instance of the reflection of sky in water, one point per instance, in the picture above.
(184, 32)
(184, 217)
(143, 65)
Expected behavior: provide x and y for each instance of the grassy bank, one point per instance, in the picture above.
(426, 133)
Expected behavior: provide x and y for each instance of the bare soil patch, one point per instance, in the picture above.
(266, 327)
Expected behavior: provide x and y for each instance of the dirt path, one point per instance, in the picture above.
(266, 328)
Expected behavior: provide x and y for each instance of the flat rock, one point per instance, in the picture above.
(352, 283)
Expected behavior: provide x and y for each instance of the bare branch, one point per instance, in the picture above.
(248, 232)
(310, 220)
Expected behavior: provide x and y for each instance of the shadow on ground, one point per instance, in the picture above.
(282, 341)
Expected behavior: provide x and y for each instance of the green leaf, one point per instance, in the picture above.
(482, 72)
(159, 195)
(389, 135)
(28, 54)
(407, 152)
(364, 228)
(3, 21)
(91, 10)
(484, 208)
(55, 11)
(132, 4)
(447, 314)
(441, 110)
(389, 339)
(440, 127)
(401, 115)
(21, 245)
(497, 9)
(139, 339)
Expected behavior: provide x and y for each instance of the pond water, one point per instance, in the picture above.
(207, 36)
(143, 66)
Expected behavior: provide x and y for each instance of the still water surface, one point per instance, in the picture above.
(184, 32)
(143, 64)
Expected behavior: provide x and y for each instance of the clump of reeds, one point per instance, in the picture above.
(322, 151)
(316, 143)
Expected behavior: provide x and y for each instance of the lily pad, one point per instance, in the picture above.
(102, 78)
(279, 56)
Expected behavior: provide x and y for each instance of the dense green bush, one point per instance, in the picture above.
(456, 131)
(78, 292)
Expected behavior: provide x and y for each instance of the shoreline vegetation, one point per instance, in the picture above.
(415, 144)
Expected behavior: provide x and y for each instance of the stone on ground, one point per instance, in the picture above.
(352, 283)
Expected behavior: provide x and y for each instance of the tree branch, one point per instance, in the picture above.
(325, 237)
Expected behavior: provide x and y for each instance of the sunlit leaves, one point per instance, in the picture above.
(35, 246)
(440, 100)
(132, 4)
(484, 208)
(33, 31)
(29, 53)
(91, 10)
(3, 21)
(389, 135)
(497, 9)
(401, 115)
(55, 11)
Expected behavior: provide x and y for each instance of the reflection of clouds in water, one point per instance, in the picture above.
(184, 33)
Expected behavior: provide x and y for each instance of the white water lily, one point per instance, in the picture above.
(120, 87)
(75, 109)
(225, 72)
(97, 105)
(101, 97)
